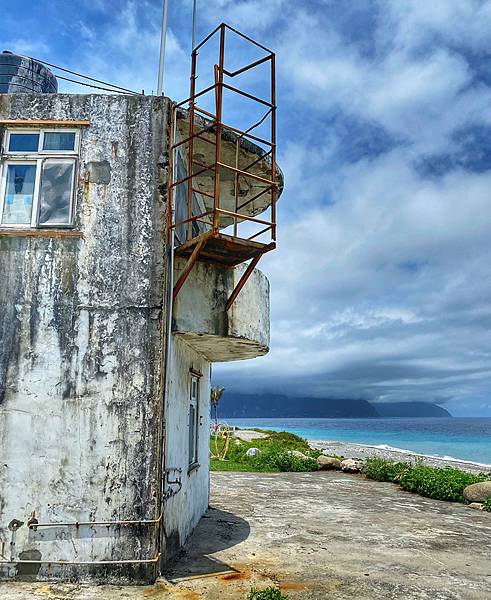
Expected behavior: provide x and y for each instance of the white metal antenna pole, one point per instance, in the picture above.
(193, 37)
(163, 35)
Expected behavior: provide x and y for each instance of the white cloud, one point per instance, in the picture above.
(381, 285)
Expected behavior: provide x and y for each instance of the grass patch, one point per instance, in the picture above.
(440, 484)
(385, 470)
(286, 440)
(432, 482)
(276, 454)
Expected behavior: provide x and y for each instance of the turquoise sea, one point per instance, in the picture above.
(457, 437)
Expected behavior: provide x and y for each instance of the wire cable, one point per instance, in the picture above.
(111, 85)
(97, 87)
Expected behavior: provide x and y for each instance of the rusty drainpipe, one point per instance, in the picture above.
(166, 335)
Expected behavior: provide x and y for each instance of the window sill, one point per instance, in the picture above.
(51, 122)
(193, 468)
(31, 232)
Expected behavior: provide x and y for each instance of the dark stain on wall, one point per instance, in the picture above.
(84, 316)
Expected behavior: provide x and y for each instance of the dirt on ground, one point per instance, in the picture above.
(316, 536)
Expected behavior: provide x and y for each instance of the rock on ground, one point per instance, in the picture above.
(328, 463)
(478, 492)
(253, 452)
(352, 465)
(299, 454)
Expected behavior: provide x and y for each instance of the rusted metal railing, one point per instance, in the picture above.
(192, 228)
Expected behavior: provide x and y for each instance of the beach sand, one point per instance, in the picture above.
(349, 450)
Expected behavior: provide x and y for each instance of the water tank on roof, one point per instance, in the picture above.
(25, 75)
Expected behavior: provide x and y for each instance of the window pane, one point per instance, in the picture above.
(23, 142)
(19, 192)
(59, 140)
(192, 434)
(56, 193)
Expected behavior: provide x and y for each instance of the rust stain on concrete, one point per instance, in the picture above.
(234, 576)
(287, 586)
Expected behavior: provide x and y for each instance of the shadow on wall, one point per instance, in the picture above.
(217, 530)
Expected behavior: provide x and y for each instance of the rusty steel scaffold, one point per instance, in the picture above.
(194, 226)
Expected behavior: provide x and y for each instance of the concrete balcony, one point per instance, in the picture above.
(200, 318)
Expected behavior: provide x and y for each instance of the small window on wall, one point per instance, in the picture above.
(193, 420)
(37, 175)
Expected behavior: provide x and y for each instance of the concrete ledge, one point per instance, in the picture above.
(201, 320)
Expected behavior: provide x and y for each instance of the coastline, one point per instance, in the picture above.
(363, 451)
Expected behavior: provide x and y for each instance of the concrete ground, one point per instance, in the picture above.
(322, 536)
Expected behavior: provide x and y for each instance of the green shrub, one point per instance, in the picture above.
(440, 484)
(385, 470)
(487, 505)
(275, 454)
(285, 439)
(276, 458)
(269, 593)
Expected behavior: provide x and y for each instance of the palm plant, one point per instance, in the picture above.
(215, 395)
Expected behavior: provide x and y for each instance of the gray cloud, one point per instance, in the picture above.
(381, 285)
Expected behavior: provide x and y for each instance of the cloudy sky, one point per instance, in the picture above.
(381, 286)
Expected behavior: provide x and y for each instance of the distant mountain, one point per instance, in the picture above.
(271, 406)
(410, 409)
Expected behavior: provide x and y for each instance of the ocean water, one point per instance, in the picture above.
(456, 437)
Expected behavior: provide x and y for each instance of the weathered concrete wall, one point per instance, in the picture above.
(184, 509)
(82, 324)
(81, 345)
(199, 315)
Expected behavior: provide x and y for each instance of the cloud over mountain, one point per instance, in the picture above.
(381, 285)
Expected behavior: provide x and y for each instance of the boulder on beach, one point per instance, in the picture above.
(476, 505)
(478, 492)
(298, 454)
(328, 463)
(352, 465)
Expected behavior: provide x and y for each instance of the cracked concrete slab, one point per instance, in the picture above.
(317, 536)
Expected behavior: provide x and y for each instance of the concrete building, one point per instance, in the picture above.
(104, 363)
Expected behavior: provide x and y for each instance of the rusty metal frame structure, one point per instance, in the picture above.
(206, 246)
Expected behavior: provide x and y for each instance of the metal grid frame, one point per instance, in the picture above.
(213, 123)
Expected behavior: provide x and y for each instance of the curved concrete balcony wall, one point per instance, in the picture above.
(249, 153)
(201, 320)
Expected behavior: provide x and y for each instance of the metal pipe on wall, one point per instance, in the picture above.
(167, 330)
(80, 562)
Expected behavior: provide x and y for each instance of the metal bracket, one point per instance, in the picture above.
(188, 268)
(242, 281)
